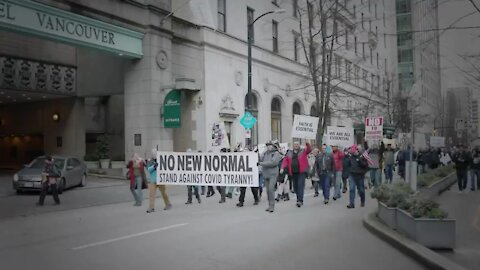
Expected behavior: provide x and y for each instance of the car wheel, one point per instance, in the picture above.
(84, 181)
(61, 187)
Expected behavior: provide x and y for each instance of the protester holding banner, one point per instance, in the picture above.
(192, 189)
(297, 164)
(338, 168)
(357, 166)
(345, 172)
(152, 186)
(269, 163)
(243, 190)
(282, 182)
(138, 179)
(325, 168)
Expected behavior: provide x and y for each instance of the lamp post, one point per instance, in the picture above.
(250, 41)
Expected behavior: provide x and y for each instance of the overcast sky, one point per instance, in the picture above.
(458, 42)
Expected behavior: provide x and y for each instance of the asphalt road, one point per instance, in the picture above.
(197, 236)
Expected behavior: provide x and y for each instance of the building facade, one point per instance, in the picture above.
(419, 61)
(83, 69)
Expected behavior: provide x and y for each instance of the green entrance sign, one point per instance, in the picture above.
(172, 109)
(41, 20)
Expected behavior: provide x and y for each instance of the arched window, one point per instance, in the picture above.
(254, 112)
(297, 109)
(276, 117)
(313, 111)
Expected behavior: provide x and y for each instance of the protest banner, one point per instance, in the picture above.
(437, 141)
(207, 169)
(374, 129)
(340, 136)
(304, 127)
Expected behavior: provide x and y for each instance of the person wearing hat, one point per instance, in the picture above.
(338, 169)
(270, 163)
(357, 166)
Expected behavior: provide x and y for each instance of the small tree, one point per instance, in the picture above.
(103, 147)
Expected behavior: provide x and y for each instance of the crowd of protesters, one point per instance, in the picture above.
(334, 170)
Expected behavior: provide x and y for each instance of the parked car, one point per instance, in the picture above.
(73, 173)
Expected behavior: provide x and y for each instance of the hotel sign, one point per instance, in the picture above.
(42, 20)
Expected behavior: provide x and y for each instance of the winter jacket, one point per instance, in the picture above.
(375, 156)
(152, 170)
(338, 160)
(132, 175)
(312, 169)
(357, 165)
(346, 171)
(475, 162)
(462, 160)
(270, 162)
(329, 164)
(388, 157)
(302, 160)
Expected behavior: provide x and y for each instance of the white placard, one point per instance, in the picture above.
(340, 136)
(304, 127)
(207, 169)
(374, 129)
(437, 141)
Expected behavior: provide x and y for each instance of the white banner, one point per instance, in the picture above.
(207, 169)
(437, 141)
(340, 136)
(374, 129)
(304, 127)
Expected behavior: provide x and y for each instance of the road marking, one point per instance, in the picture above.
(476, 220)
(129, 236)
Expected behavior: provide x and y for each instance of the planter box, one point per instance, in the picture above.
(387, 215)
(104, 163)
(435, 189)
(432, 233)
(118, 164)
(92, 165)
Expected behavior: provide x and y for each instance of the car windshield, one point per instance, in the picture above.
(39, 163)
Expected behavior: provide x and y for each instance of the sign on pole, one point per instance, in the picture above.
(207, 169)
(437, 141)
(304, 127)
(340, 136)
(374, 128)
(248, 120)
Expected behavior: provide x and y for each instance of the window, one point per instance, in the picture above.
(254, 112)
(405, 56)
(363, 26)
(384, 23)
(296, 109)
(404, 22)
(384, 40)
(365, 79)
(357, 75)
(355, 41)
(276, 117)
(296, 46)
(376, 31)
(221, 18)
(369, 6)
(378, 64)
(370, 25)
(338, 64)
(385, 67)
(403, 6)
(346, 38)
(250, 14)
(348, 71)
(295, 8)
(354, 11)
(404, 39)
(335, 30)
(371, 56)
(275, 36)
(313, 111)
(363, 50)
(372, 80)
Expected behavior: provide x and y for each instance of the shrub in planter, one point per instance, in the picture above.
(382, 193)
(422, 208)
(103, 150)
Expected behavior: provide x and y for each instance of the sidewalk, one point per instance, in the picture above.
(466, 209)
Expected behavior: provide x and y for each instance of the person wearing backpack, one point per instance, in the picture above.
(49, 180)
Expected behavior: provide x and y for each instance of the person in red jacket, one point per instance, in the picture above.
(338, 162)
(296, 162)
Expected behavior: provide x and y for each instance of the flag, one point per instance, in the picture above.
(368, 158)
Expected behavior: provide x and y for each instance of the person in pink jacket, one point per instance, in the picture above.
(296, 162)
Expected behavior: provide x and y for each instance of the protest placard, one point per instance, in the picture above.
(374, 129)
(340, 136)
(207, 169)
(437, 141)
(304, 127)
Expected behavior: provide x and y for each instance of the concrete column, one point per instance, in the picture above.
(144, 98)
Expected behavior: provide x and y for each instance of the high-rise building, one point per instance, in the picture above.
(418, 60)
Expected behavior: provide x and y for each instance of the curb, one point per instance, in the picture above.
(421, 254)
(107, 176)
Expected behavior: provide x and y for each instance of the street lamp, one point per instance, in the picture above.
(249, 41)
